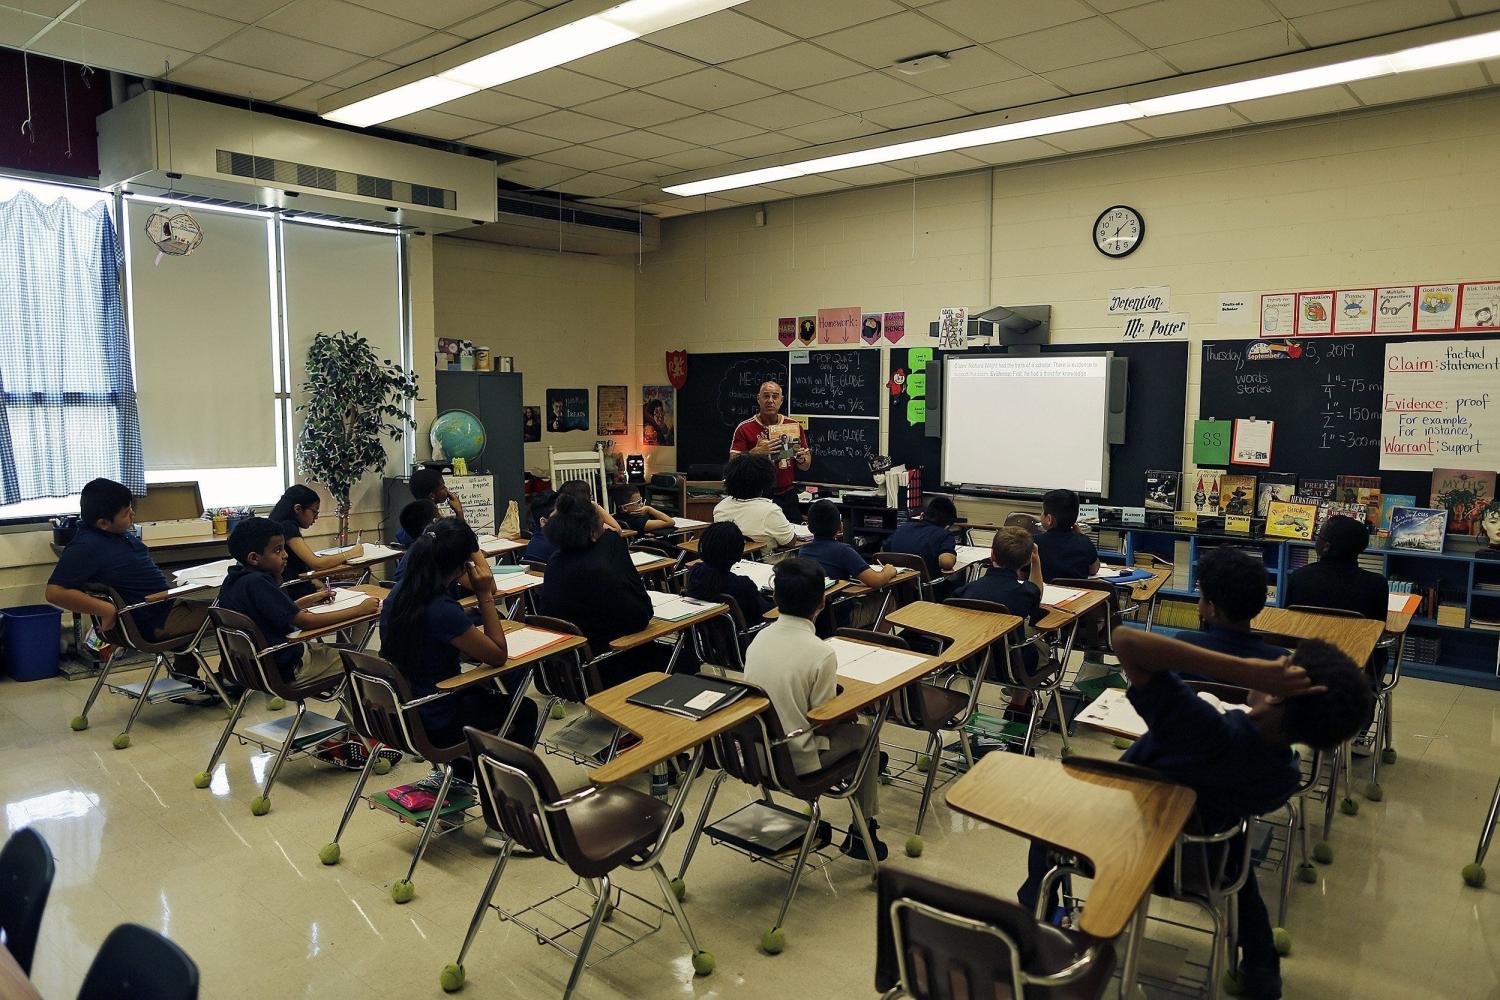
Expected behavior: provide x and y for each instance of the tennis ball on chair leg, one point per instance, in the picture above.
(679, 889)
(773, 941)
(1323, 852)
(558, 712)
(259, 806)
(1373, 791)
(1307, 872)
(382, 766)
(703, 963)
(1388, 755)
(403, 891)
(1474, 875)
(122, 741)
(79, 723)
(1234, 983)
(914, 846)
(1282, 939)
(330, 854)
(276, 704)
(1349, 807)
(451, 979)
(202, 779)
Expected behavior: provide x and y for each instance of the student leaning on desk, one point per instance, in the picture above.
(295, 512)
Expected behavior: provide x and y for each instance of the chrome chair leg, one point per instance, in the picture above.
(934, 749)
(702, 820)
(432, 818)
(286, 749)
(484, 899)
(676, 908)
(807, 840)
(601, 905)
(145, 693)
(234, 718)
(109, 663)
(359, 787)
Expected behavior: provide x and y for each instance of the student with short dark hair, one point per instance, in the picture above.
(1014, 579)
(538, 549)
(427, 483)
(635, 514)
(719, 548)
(1065, 551)
(1239, 763)
(839, 559)
(1337, 580)
(799, 671)
(580, 489)
(930, 537)
(1231, 591)
(106, 551)
(295, 512)
(414, 518)
(747, 481)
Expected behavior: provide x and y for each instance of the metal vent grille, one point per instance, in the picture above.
(565, 212)
(263, 168)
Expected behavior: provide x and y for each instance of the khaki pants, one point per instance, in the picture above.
(185, 618)
(852, 736)
(320, 660)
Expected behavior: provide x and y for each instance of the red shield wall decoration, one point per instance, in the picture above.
(677, 368)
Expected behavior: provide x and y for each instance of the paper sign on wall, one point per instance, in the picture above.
(917, 358)
(953, 325)
(1236, 309)
(895, 326)
(1144, 299)
(1395, 309)
(1437, 307)
(1161, 326)
(838, 326)
(786, 330)
(1479, 305)
(1314, 314)
(1354, 310)
(1210, 442)
(1440, 407)
(870, 326)
(916, 412)
(1252, 442)
(916, 385)
(1277, 313)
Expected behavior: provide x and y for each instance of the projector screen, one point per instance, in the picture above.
(1037, 422)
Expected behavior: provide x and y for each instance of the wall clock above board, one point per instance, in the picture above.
(1118, 231)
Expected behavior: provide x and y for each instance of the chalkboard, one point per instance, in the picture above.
(1157, 401)
(1324, 394)
(842, 449)
(719, 393)
(835, 384)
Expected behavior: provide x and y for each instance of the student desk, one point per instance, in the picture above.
(855, 694)
(839, 586)
(1148, 592)
(968, 631)
(689, 547)
(659, 628)
(888, 589)
(655, 565)
(309, 634)
(479, 675)
(1356, 637)
(1125, 826)
(13, 982)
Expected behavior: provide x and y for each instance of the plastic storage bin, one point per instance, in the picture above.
(30, 642)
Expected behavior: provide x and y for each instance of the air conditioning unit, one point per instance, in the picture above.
(155, 142)
(545, 223)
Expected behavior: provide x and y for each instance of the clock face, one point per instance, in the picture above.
(1118, 230)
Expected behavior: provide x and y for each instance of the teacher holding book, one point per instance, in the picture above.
(782, 440)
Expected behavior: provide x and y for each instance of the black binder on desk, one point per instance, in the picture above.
(689, 696)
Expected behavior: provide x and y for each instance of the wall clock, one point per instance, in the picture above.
(1118, 231)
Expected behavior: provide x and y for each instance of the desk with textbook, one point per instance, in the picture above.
(672, 615)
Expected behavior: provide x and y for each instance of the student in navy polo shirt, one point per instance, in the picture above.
(1065, 552)
(107, 552)
(929, 537)
(295, 512)
(1231, 592)
(415, 517)
(840, 560)
(428, 484)
(1014, 579)
(720, 547)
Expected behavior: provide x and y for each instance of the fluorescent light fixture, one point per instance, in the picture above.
(1454, 52)
(618, 24)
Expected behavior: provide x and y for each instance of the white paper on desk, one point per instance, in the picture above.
(1056, 597)
(871, 664)
(205, 575)
(968, 555)
(333, 551)
(1402, 603)
(642, 558)
(1111, 573)
(802, 531)
(342, 600)
(761, 573)
(688, 522)
(672, 608)
(492, 545)
(374, 553)
(528, 640)
(514, 583)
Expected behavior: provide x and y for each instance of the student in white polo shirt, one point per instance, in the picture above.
(747, 481)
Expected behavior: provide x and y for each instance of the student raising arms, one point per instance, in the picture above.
(295, 512)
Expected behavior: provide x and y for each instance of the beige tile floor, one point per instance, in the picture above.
(249, 900)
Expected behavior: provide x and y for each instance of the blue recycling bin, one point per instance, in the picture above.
(29, 643)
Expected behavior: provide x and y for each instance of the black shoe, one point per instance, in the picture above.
(1260, 984)
(885, 763)
(854, 845)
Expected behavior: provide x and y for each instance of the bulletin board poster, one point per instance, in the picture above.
(614, 410)
(567, 410)
(895, 326)
(786, 330)
(1314, 314)
(1277, 314)
(658, 421)
(839, 326)
(1479, 305)
(477, 494)
(1437, 308)
(1354, 311)
(1438, 407)
(1395, 309)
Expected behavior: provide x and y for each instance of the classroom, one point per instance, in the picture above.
(715, 498)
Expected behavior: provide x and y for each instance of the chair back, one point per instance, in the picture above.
(585, 466)
(717, 640)
(1007, 664)
(515, 788)
(240, 645)
(127, 631)
(377, 690)
(905, 560)
(1021, 519)
(907, 705)
(755, 752)
(569, 676)
(26, 873)
(136, 963)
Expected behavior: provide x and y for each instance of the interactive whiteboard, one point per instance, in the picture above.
(1029, 423)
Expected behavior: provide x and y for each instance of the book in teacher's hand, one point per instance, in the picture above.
(689, 696)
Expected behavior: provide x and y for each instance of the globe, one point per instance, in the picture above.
(457, 434)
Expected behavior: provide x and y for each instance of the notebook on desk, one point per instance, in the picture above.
(675, 608)
(205, 575)
(689, 696)
(342, 600)
(763, 574)
(872, 664)
(687, 523)
(968, 555)
(375, 553)
(492, 545)
(643, 558)
(1058, 597)
(526, 640)
(1121, 574)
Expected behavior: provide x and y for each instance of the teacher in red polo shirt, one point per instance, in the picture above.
(762, 434)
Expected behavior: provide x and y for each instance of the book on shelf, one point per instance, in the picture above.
(1291, 520)
(1274, 486)
(1205, 496)
(1162, 489)
(1362, 490)
(1237, 495)
(1451, 615)
(1323, 489)
(1464, 494)
(1421, 528)
(1182, 559)
(1339, 508)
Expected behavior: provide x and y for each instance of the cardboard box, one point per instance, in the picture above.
(172, 512)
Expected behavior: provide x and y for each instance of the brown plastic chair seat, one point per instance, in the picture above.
(940, 706)
(613, 826)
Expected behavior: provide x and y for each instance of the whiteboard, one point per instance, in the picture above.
(1037, 422)
(1441, 405)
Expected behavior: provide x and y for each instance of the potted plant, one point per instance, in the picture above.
(353, 398)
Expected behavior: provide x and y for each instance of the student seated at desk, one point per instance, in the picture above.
(107, 552)
(538, 549)
(798, 671)
(296, 511)
(930, 537)
(592, 583)
(414, 519)
(1013, 579)
(748, 479)
(839, 559)
(1239, 763)
(427, 484)
(1231, 592)
(425, 634)
(1336, 579)
(635, 514)
(720, 547)
(1066, 552)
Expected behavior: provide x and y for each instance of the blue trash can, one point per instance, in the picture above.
(32, 638)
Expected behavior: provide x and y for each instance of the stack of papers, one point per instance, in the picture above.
(968, 555)
(526, 640)
(514, 583)
(1405, 604)
(872, 664)
(1056, 597)
(375, 552)
(802, 532)
(333, 551)
(762, 574)
(491, 545)
(687, 523)
(207, 575)
(643, 558)
(342, 600)
(674, 608)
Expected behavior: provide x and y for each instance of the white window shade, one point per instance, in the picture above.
(342, 279)
(202, 329)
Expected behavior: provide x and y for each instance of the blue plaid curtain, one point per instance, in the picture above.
(67, 399)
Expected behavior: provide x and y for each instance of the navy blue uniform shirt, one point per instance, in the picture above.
(1065, 553)
(538, 549)
(295, 567)
(929, 541)
(1234, 642)
(752, 604)
(114, 560)
(839, 559)
(444, 622)
(1020, 597)
(256, 595)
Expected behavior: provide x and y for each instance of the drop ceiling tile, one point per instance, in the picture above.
(1009, 94)
(560, 87)
(496, 107)
(868, 90)
(1313, 102)
(636, 109)
(706, 129)
(613, 203)
(244, 11)
(692, 159)
(753, 194)
(684, 206)
(877, 44)
(642, 171)
(368, 70)
(945, 163)
(422, 48)
(104, 49)
(433, 13)
(1301, 8)
(1098, 137)
(343, 25)
(17, 26)
(584, 157)
(1117, 71)
(986, 20)
(595, 185)
(667, 211)
(307, 98)
(808, 19)
(534, 174)
(1016, 151)
(972, 67)
(437, 125)
(877, 173)
(1412, 86)
(1232, 47)
(810, 185)
(1068, 44)
(832, 129)
(710, 89)
(634, 64)
(642, 144)
(570, 125)
(760, 145)
(514, 142)
(285, 54)
(1366, 19)
(720, 37)
(794, 66)
(1198, 122)
(923, 112)
(232, 78)
(1167, 22)
(780, 111)
(503, 16)
(156, 21)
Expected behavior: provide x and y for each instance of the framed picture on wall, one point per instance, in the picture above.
(567, 410)
(614, 418)
(658, 423)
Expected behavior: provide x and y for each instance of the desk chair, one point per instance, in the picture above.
(26, 874)
(720, 642)
(570, 466)
(935, 941)
(1009, 670)
(1020, 519)
(135, 963)
(250, 661)
(593, 832)
(127, 634)
(905, 560)
(572, 676)
(756, 753)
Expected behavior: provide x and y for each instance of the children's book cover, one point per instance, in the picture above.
(1388, 503)
(1337, 509)
(1291, 520)
(1363, 490)
(1237, 495)
(1162, 487)
(1464, 494)
(1418, 528)
(1274, 486)
(1321, 489)
(1205, 495)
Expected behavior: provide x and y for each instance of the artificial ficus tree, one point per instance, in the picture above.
(354, 397)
